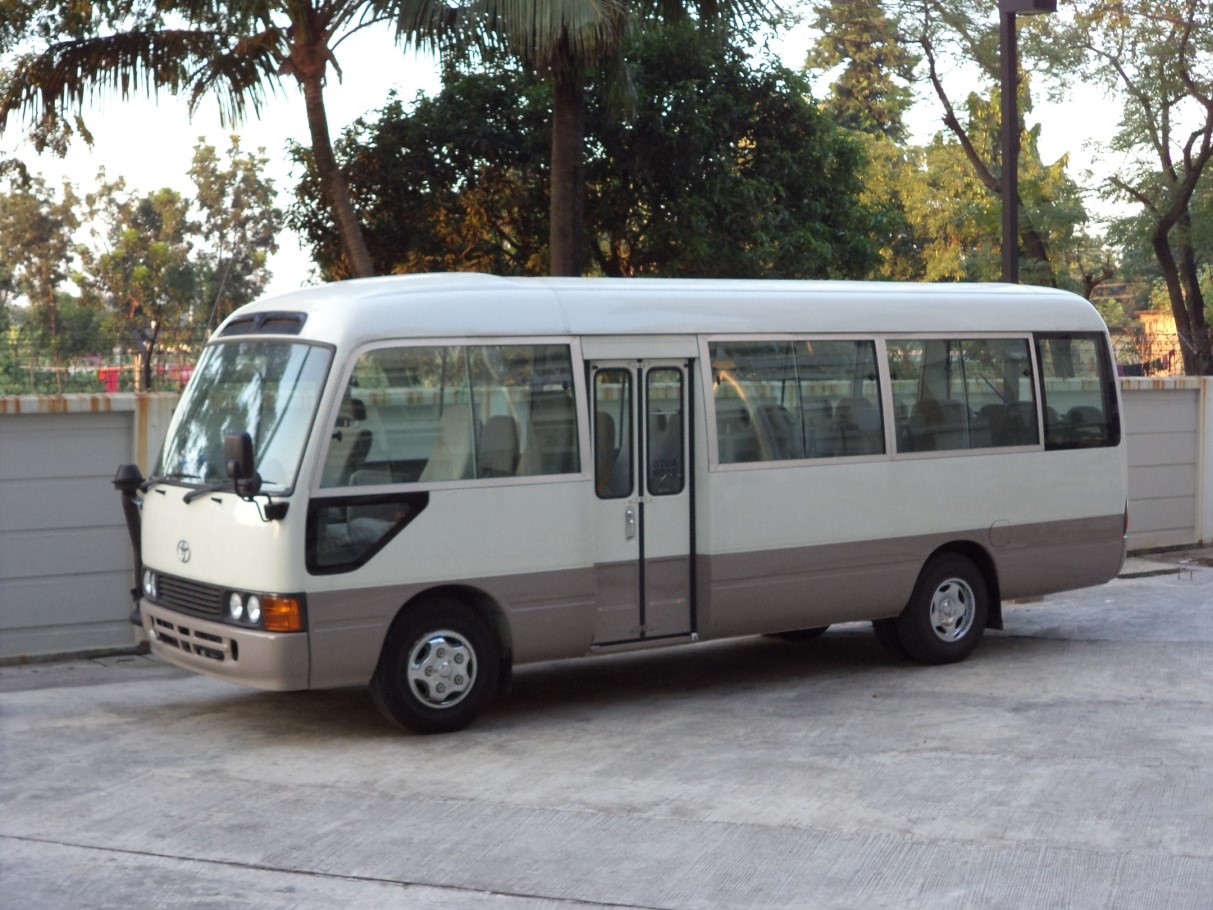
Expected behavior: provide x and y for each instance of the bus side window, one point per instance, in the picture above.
(962, 393)
(1079, 398)
(792, 400)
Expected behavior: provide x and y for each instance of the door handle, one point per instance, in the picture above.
(629, 523)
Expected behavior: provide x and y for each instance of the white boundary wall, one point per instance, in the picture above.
(65, 554)
(65, 560)
(1169, 424)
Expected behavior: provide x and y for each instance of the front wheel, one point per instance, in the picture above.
(946, 614)
(438, 668)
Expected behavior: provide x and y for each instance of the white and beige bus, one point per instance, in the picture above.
(415, 483)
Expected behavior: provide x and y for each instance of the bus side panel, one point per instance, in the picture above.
(798, 546)
(1060, 556)
(527, 549)
(803, 587)
(550, 615)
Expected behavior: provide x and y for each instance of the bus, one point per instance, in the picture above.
(415, 483)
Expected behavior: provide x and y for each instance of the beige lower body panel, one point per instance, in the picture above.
(264, 660)
(554, 614)
(804, 587)
(550, 615)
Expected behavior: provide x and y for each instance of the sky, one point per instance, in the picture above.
(150, 142)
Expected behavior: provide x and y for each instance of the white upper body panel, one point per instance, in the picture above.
(457, 305)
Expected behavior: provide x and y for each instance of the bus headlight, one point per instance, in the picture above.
(150, 590)
(270, 612)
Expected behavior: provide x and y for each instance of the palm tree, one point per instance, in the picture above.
(562, 40)
(237, 52)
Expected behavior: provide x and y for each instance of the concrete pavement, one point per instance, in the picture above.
(1066, 764)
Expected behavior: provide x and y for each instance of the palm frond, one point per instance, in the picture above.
(46, 85)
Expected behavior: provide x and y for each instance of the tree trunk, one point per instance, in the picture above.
(568, 170)
(332, 182)
(1194, 298)
(1175, 293)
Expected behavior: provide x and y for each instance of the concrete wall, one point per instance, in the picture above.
(65, 561)
(65, 555)
(1169, 423)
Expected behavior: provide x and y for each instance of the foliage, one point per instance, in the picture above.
(237, 53)
(456, 183)
(237, 224)
(568, 43)
(723, 169)
(941, 202)
(1158, 57)
(872, 92)
(117, 270)
(36, 226)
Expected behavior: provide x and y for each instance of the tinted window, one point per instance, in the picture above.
(1079, 398)
(783, 400)
(962, 393)
(429, 414)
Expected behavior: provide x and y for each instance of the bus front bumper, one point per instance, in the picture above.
(264, 660)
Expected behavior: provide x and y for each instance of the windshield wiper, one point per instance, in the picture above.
(199, 492)
(160, 478)
(222, 486)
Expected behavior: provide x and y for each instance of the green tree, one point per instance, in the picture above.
(237, 52)
(140, 269)
(1157, 56)
(237, 228)
(723, 169)
(872, 93)
(563, 42)
(456, 182)
(36, 227)
(944, 44)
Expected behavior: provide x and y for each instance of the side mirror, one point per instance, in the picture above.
(239, 463)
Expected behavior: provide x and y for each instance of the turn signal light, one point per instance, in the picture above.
(281, 614)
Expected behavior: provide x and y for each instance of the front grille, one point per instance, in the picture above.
(190, 640)
(183, 594)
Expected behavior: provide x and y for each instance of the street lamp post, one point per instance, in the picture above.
(1009, 77)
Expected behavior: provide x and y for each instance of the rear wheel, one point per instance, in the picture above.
(946, 614)
(438, 668)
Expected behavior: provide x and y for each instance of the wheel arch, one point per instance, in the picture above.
(980, 557)
(484, 604)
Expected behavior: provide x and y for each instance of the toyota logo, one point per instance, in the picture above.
(183, 550)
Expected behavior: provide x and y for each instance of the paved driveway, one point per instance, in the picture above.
(1066, 764)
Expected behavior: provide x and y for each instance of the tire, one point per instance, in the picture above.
(800, 634)
(438, 668)
(947, 612)
(886, 634)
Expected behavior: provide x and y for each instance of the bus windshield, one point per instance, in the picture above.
(268, 389)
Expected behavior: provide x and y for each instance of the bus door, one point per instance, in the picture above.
(644, 554)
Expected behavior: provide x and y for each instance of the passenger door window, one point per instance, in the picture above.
(613, 433)
(664, 444)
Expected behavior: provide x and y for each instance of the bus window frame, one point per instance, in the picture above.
(707, 381)
(350, 361)
(1027, 335)
(1107, 371)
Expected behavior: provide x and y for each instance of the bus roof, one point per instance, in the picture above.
(459, 305)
